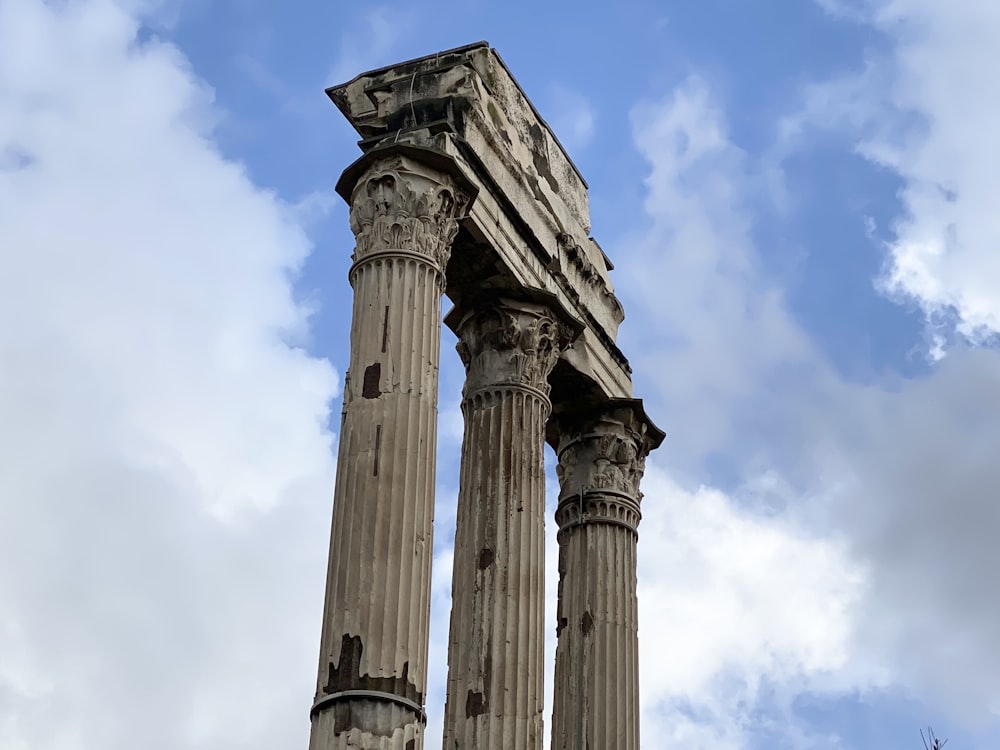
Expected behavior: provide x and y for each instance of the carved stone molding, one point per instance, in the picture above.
(597, 508)
(399, 205)
(510, 344)
(582, 273)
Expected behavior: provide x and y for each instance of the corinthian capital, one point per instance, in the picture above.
(510, 343)
(602, 457)
(401, 206)
(610, 459)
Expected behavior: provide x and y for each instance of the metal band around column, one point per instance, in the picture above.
(377, 695)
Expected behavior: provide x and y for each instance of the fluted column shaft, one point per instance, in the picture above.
(596, 697)
(373, 652)
(496, 642)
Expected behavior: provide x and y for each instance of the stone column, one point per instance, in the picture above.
(601, 460)
(497, 636)
(373, 652)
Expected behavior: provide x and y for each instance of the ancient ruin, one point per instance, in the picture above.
(464, 191)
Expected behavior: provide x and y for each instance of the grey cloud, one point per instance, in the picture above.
(923, 514)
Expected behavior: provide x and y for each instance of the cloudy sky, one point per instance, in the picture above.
(800, 197)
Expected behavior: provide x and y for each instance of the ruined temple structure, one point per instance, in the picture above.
(463, 191)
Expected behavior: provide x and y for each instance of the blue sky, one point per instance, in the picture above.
(799, 198)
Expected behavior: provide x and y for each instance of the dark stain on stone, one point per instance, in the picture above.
(373, 374)
(475, 705)
(494, 114)
(346, 674)
(540, 196)
(560, 624)
(437, 114)
(586, 623)
(385, 329)
(343, 718)
(341, 673)
(486, 557)
(540, 162)
(478, 703)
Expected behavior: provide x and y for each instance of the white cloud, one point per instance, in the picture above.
(927, 109)
(437, 656)
(164, 435)
(706, 330)
(733, 603)
(819, 592)
(918, 489)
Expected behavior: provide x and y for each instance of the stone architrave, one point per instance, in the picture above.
(601, 461)
(373, 654)
(496, 642)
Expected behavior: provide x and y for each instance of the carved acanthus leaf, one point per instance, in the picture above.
(394, 209)
(602, 461)
(510, 345)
